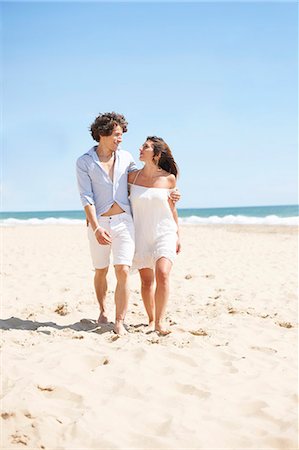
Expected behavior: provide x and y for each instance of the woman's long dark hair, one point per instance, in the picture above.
(166, 160)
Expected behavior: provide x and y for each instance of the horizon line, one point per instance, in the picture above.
(209, 207)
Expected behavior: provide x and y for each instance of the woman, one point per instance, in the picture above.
(156, 226)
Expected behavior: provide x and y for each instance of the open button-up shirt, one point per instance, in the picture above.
(95, 185)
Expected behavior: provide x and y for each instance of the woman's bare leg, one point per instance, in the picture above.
(163, 267)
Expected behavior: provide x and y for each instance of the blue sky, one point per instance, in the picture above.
(218, 81)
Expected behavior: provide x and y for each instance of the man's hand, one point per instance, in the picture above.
(103, 237)
(178, 246)
(175, 196)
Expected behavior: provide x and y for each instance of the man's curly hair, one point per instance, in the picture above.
(104, 124)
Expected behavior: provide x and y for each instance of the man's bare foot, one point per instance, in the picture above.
(150, 327)
(103, 318)
(119, 328)
(161, 329)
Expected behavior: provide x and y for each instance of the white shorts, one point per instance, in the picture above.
(121, 229)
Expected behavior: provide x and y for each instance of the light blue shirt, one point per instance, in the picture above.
(95, 185)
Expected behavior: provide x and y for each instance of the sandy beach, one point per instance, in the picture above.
(225, 378)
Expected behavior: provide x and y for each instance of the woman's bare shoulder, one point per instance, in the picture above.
(132, 176)
(171, 179)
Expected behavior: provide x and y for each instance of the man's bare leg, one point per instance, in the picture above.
(121, 297)
(100, 285)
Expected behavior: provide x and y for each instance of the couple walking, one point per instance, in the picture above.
(110, 185)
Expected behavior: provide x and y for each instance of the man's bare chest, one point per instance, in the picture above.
(108, 167)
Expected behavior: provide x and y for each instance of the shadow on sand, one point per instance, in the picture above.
(89, 325)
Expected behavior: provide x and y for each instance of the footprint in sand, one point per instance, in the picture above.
(264, 349)
(183, 359)
(114, 338)
(154, 340)
(231, 310)
(199, 332)
(230, 366)
(61, 309)
(285, 324)
(61, 393)
(45, 388)
(192, 390)
(225, 344)
(165, 427)
(134, 329)
(19, 438)
(6, 415)
(254, 407)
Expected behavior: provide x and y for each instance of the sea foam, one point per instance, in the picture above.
(192, 220)
(35, 221)
(240, 220)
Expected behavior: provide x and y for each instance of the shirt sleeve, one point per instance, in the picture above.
(84, 183)
(132, 165)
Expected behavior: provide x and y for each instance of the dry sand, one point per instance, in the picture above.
(226, 378)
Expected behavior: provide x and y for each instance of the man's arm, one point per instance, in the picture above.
(102, 236)
(87, 199)
(132, 165)
(175, 195)
(84, 183)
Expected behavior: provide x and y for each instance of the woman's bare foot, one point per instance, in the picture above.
(103, 318)
(161, 329)
(119, 328)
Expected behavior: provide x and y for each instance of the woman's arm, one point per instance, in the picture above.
(172, 184)
(175, 216)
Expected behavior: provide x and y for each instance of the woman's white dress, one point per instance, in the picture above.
(155, 227)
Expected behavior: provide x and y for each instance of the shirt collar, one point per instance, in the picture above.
(93, 153)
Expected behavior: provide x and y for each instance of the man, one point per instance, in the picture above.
(102, 175)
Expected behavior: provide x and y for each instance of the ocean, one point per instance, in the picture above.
(259, 215)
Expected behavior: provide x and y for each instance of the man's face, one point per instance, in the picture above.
(113, 141)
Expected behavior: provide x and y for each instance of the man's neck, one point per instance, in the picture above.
(104, 152)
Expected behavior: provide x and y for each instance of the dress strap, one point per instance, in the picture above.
(138, 172)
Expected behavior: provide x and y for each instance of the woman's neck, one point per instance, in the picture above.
(150, 170)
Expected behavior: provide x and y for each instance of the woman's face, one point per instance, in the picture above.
(146, 151)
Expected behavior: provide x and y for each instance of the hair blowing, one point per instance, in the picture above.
(166, 160)
(104, 124)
